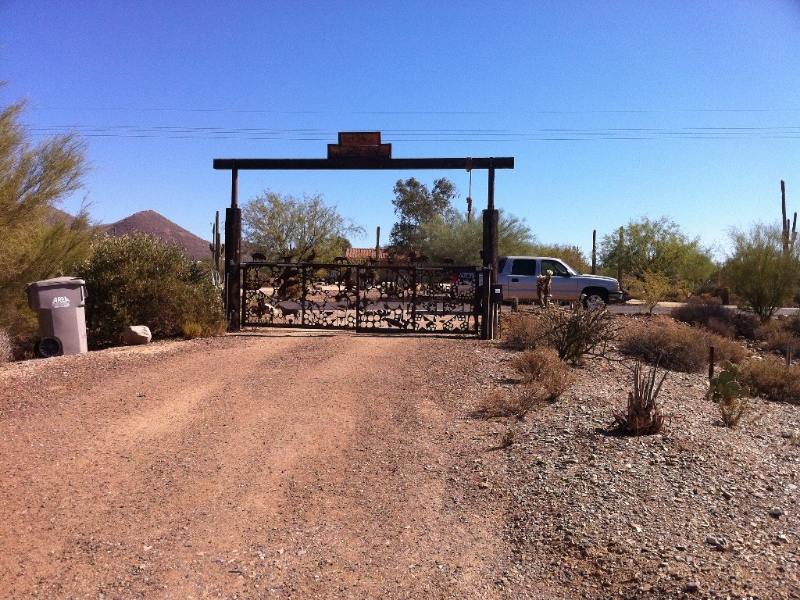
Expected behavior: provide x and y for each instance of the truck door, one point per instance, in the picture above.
(564, 284)
(522, 279)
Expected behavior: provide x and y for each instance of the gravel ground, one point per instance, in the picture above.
(275, 464)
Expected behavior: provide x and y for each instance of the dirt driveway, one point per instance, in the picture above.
(251, 466)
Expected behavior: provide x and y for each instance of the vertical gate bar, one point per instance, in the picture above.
(303, 296)
(414, 298)
(476, 304)
(358, 298)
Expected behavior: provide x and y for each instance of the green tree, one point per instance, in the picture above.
(572, 255)
(297, 229)
(416, 205)
(759, 271)
(454, 237)
(141, 280)
(657, 247)
(35, 242)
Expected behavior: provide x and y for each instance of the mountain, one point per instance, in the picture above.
(150, 222)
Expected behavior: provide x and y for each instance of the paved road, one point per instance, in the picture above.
(663, 308)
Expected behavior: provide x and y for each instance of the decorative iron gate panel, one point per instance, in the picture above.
(361, 297)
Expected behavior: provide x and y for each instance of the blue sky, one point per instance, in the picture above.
(612, 110)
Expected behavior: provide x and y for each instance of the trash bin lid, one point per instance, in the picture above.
(56, 282)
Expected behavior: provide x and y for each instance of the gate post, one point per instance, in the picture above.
(491, 219)
(233, 248)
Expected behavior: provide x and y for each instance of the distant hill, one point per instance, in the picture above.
(152, 223)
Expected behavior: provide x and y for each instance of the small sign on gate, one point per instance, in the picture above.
(360, 144)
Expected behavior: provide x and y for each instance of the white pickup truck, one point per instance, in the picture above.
(518, 276)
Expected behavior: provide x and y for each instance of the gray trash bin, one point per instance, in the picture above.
(59, 304)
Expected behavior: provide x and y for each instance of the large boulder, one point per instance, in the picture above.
(134, 335)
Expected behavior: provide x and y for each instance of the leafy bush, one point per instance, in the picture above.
(655, 287)
(676, 346)
(772, 379)
(578, 332)
(642, 415)
(140, 280)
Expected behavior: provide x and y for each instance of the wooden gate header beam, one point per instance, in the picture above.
(360, 164)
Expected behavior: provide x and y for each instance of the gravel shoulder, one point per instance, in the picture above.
(310, 464)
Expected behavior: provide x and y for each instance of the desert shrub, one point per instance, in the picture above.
(505, 403)
(721, 328)
(771, 379)
(792, 324)
(543, 371)
(545, 377)
(522, 330)
(746, 325)
(700, 310)
(676, 346)
(775, 337)
(5, 346)
(642, 415)
(728, 394)
(140, 280)
(577, 333)
(711, 313)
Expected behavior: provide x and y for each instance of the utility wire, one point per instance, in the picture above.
(422, 135)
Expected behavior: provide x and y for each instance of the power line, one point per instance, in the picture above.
(427, 135)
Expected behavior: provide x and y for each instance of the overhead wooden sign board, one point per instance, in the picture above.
(338, 151)
(360, 144)
(360, 138)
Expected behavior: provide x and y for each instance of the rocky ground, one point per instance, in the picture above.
(290, 464)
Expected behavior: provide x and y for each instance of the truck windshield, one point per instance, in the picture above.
(557, 267)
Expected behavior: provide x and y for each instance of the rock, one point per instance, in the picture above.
(776, 512)
(134, 335)
(692, 587)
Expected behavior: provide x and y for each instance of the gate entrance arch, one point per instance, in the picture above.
(355, 151)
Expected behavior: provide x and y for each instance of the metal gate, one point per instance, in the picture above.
(435, 299)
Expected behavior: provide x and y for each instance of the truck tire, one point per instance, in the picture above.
(594, 299)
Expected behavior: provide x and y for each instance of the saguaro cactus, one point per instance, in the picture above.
(788, 237)
(217, 252)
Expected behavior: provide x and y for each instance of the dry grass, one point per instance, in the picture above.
(192, 331)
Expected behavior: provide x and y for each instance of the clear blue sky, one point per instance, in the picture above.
(612, 110)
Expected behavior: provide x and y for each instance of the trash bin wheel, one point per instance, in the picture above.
(49, 346)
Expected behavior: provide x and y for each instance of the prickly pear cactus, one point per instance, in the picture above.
(724, 387)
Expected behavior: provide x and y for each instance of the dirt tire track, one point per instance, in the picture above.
(245, 466)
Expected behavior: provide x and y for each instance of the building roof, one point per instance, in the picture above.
(358, 254)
